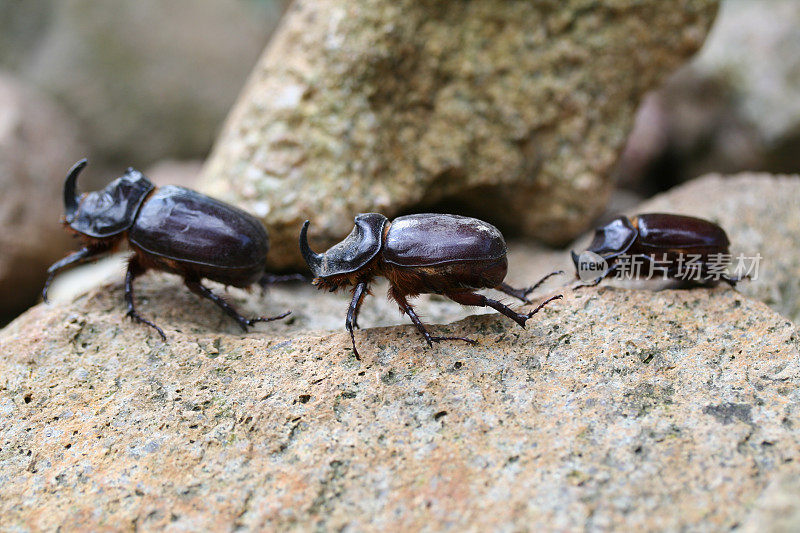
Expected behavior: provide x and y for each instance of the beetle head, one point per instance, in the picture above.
(353, 253)
(609, 241)
(107, 212)
(614, 238)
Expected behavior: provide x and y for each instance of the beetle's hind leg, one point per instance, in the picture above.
(198, 288)
(732, 281)
(409, 310)
(522, 294)
(135, 269)
(479, 300)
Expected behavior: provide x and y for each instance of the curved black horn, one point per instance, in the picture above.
(313, 260)
(70, 191)
(575, 258)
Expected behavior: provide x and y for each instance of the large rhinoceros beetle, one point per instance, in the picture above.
(667, 238)
(426, 253)
(172, 229)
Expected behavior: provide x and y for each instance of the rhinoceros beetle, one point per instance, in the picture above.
(425, 253)
(667, 238)
(172, 229)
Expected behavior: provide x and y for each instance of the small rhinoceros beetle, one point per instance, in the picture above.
(170, 228)
(680, 244)
(426, 253)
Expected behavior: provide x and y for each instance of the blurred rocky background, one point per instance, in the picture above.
(734, 107)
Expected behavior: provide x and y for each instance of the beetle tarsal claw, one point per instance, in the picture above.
(253, 321)
(544, 303)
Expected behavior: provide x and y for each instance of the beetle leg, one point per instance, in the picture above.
(359, 292)
(198, 288)
(408, 309)
(732, 281)
(479, 300)
(522, 294)
(363, 293)
(593, 283)
(135, 269)
(81, 256)
(597, 280)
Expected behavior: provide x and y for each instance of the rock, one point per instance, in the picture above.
(756, 47)
(513, 112)
(38, 144)
(685, 130)
(173, 172)
(150, 79)
(733, 108)
(614, 409)
(776, 509)
(21, 27)
(759, 213)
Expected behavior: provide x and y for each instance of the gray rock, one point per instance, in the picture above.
(21, 28)
(755, 46)
(513, 112)
(734, 107)
(173, 172)
(150, 79)
(38, 144)
(614, 409)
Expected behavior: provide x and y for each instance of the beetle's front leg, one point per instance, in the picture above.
(198, 288)
(522, 294)
(359, 292)
(597, 280)
(135, 269)
(81, 256)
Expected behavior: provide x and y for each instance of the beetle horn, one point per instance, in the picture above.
(70, 192)
(313, 260)
(575, 258)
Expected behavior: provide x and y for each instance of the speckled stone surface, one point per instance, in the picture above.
(511, 111)
(613, 409)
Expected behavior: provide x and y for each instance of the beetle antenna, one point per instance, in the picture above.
(313, 260)
(70, 190)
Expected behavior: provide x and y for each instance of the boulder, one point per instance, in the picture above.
(149, 79)
(513, 112)
(38, 144)
(734, 107)
(614, 409)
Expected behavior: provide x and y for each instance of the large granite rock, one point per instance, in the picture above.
(148, 79)
(512, 111)
(38, 143)
(614, 409)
